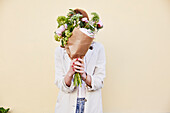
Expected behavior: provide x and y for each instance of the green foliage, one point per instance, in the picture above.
(73, 20)
(70, 13)
(68, 33)
(57, 38)
(95, 17)
(62, 43)
(2, 110)
(82, 24)
(61, 20)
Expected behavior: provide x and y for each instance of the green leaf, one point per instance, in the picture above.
(65, 42)
(61, 20)
(66, 38)
(62, 43)
(68, 33)
(71, 10)
(95, 17)
(71, 13)
(57, 38)
(2, 110)
(6, 110)
(83, 24)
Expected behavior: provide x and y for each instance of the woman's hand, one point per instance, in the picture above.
(71, 69)
(78, 66)
(69, 74)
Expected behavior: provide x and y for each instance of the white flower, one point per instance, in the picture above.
(85, 20)
(87, 32)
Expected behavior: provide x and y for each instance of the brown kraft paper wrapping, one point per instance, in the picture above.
(78, 44)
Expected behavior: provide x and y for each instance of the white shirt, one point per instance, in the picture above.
(95, 67)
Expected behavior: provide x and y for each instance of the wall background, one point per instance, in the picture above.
(136, 37)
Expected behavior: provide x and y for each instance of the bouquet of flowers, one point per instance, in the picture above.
(76, 32)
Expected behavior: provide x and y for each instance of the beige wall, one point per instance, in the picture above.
(136, 37)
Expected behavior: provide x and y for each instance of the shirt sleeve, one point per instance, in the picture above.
(59, 73)
(97, 79)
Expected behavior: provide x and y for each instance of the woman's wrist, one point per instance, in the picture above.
(84, 76)
(87, 79)
(70, 74)
(68, 78)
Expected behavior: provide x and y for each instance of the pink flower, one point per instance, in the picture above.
(59, 34)
(85, 20)
(61, 29)
(100, 24)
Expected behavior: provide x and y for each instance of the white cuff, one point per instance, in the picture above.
(92, 84)
(66, 88)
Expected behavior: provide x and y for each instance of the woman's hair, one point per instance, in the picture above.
(80, 11)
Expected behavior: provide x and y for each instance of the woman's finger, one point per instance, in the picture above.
(80, 68)
(78, 71)
(80, 60)
(73, 61)
(77, 63)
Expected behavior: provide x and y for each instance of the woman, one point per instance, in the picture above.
(92, 71)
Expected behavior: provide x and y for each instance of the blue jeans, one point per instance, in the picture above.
(80, 105)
